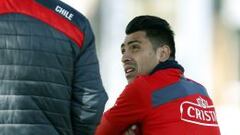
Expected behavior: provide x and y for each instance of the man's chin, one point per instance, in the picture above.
(130, 78)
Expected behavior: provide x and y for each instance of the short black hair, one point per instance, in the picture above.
(157, 30)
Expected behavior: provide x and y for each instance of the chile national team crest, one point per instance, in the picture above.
(198, 113)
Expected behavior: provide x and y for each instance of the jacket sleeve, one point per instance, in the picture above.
(130, 108)
(88, 94)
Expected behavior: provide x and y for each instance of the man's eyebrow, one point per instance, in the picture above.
(130, 42)
(134, 41)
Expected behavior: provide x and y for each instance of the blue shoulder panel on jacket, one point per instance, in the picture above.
(177, 90)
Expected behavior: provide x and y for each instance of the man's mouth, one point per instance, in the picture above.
(128, 70)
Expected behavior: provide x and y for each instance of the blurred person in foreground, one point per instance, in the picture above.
(49, 73)
(159, 99)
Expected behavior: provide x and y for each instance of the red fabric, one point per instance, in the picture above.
(33, 9)
(134, 106)
(124, 112)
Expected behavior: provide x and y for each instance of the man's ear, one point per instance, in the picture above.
(163, 53)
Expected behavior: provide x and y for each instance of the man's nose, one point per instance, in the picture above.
(126, 57)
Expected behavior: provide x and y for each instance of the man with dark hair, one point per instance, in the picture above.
(158, 98)
(49, 74)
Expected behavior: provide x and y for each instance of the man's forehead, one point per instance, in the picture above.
(135, 37)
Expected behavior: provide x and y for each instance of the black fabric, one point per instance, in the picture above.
(36, 66)
(48, 84)
(167, 64)
(54, 3)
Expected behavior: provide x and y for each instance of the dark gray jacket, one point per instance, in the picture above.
(49, 73)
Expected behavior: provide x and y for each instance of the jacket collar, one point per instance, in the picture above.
(167, 64)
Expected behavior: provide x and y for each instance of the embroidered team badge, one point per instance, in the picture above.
(198, 113)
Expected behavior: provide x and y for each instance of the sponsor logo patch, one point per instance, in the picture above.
(198, 113)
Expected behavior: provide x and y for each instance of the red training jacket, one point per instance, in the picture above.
(163, 103)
